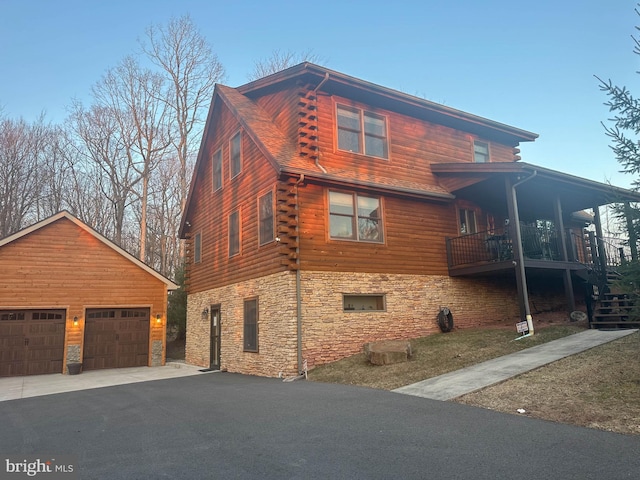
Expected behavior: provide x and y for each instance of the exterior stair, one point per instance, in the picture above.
(614, 308)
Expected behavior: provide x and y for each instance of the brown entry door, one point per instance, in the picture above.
(115, 338)
(31, 342)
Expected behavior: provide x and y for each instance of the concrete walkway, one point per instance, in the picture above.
(460, 382)
(12, 388)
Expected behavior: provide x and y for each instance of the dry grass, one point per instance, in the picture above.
(436, 354)
(599, 388)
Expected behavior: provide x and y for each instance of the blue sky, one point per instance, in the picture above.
(526, 64)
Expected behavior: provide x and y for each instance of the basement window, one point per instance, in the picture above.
(360, 303)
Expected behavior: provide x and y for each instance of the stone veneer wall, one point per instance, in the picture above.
(277, 331)
(330, 333)
(156, 353)
(412, 306)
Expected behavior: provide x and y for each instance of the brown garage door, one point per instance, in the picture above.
(116, 337)
(31, 342)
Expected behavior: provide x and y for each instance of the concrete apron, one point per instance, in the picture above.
(12, 388)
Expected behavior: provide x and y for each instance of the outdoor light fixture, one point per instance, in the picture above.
(158, 318)
(205, 312)
(75, 321)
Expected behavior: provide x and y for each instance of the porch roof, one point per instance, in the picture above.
(484, 183)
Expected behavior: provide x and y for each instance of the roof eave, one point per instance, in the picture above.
(338, 77)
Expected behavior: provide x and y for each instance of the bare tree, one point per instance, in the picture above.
(279, 61)
(22, 148)
(192, 69)
(136, 97)
(102, 143)
(164, 217)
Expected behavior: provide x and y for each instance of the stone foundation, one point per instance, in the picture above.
(411, 306)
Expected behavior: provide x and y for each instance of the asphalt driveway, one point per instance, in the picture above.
(221, 426)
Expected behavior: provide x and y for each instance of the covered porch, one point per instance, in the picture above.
(538, 222)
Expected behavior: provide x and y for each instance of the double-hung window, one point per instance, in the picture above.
(355, 217)
(360, 131)
(480, 152)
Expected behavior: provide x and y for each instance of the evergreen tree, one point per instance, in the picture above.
(624, 132)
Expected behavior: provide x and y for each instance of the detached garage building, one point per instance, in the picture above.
(68, 295)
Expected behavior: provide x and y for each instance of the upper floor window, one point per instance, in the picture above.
(217, 170)
(265, 218)
(234, 233)
(197, 248)
(360, 131)
(235, 155)
(355, 217)
(467, 221)
(480, 152)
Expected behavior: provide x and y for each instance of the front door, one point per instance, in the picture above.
(214, 362)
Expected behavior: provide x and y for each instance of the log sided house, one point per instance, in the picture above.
(69, 295)
(326, 211)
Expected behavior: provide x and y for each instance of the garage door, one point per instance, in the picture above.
(116, 337)
(31, 342)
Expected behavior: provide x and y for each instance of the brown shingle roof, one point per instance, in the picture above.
(282, 152)
(273, 143)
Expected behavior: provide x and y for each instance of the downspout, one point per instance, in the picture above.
(518, 239)
(315, 90)
(298, 287)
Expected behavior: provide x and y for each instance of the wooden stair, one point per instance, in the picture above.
(614, 308)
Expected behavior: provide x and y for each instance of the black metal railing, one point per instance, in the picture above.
(537, 244)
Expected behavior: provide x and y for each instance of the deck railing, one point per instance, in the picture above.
(537, 244)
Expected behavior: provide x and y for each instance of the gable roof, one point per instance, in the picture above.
(282, 153)
(64, 214)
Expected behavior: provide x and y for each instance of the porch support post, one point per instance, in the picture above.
(518, 255)
(602, 256)
(568, 284)
(633, 238)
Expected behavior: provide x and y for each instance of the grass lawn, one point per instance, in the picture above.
(436, 354)
(599, 388)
